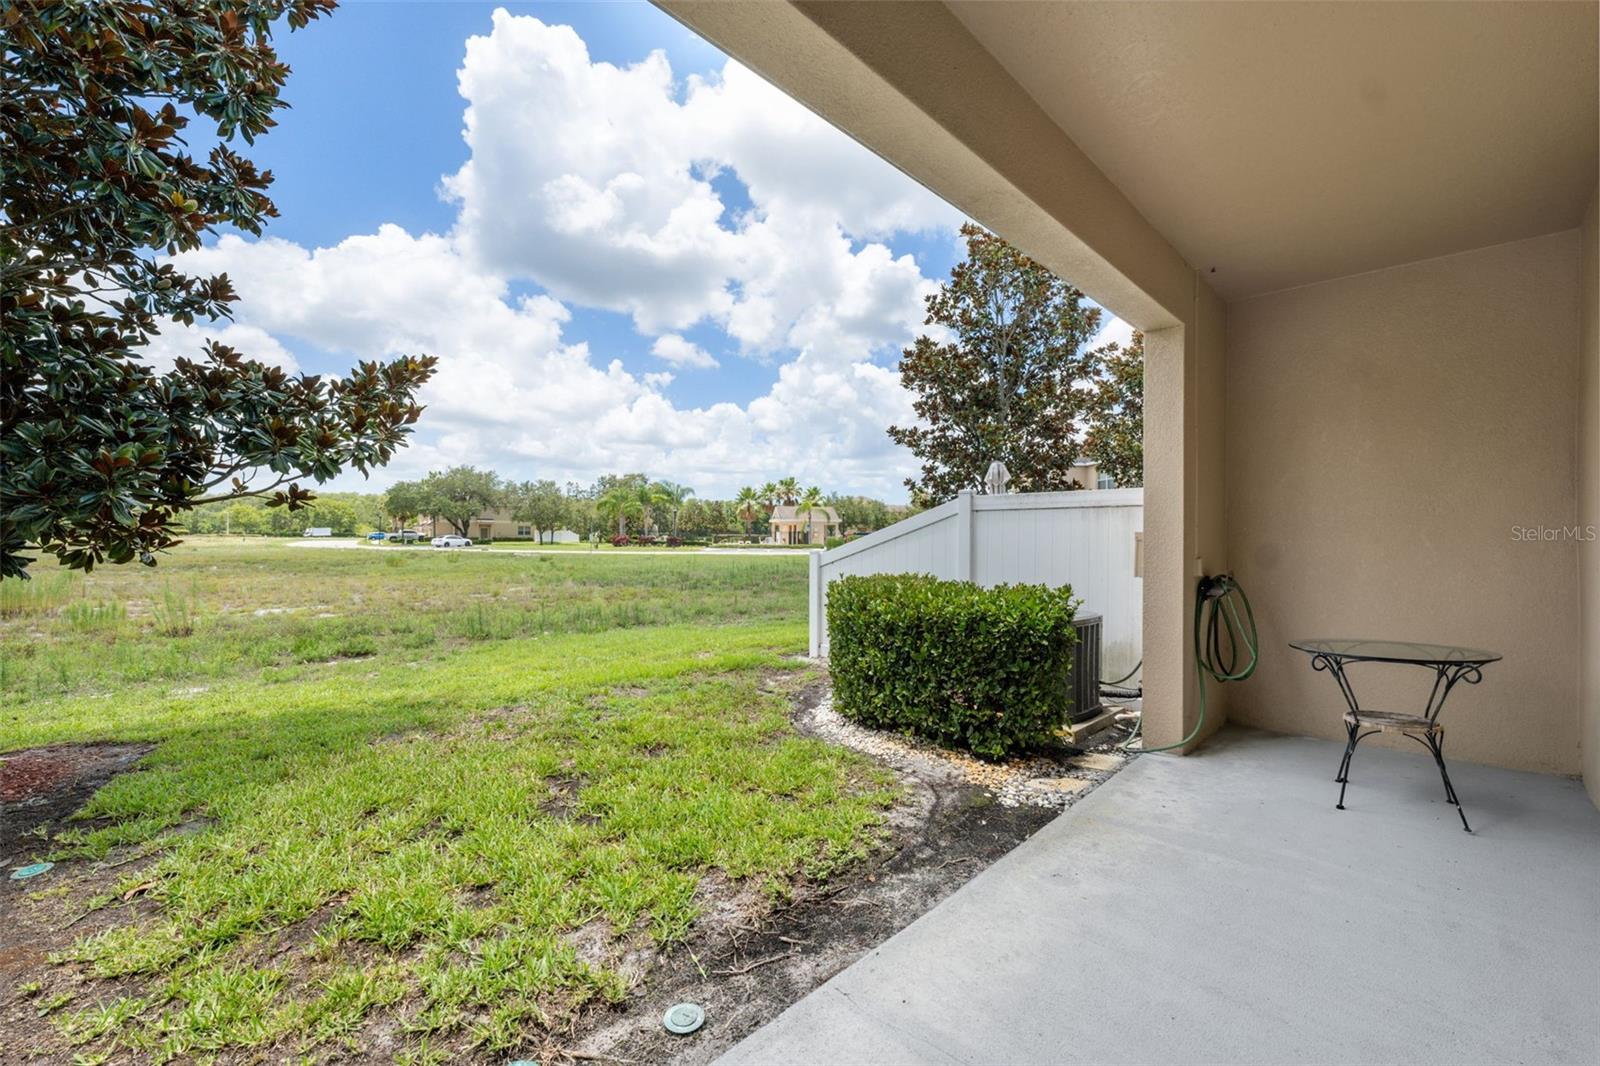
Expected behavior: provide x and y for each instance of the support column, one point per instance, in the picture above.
(1185, 528)
(1169, 698)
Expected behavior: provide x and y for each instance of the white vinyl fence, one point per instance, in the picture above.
(1084, 539)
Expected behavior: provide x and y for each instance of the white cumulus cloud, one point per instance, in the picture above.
(177, 340)
(712, 201)
(676, 350)
(598, 182)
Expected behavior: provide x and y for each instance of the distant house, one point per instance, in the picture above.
(1086, 475)
(788, 525)
(493, 525)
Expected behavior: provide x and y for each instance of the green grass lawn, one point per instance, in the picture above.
(269, 609)
(450, 793)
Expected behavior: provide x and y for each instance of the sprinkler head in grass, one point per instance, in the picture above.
(22, 873)
(683, 1018)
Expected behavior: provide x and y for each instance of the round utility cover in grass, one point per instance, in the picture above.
(683, 1018)
(22, 873)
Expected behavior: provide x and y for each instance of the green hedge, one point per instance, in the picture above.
(988, 670)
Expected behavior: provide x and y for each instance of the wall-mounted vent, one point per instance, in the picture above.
(1085, 669)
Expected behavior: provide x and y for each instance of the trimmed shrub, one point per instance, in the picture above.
(987, 670)
(620, 541)
(674, 542)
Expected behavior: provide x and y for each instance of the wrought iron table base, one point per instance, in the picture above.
(1423, 728)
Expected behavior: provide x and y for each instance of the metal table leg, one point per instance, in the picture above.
(1436, 745)
(1446, 676)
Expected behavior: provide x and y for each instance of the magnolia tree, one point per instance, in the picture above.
(1115, 437)
(1006, 379)
(100, 454)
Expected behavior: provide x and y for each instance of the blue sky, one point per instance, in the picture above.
(376, 119)
(628, 252)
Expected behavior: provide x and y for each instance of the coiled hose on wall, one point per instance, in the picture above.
(1221, 635)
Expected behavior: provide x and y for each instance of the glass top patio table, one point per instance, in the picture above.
(1450, 663)
(1394, 651)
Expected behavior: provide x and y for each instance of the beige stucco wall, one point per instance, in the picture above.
(1386, 435)
(1589, 496)
(1185, 515)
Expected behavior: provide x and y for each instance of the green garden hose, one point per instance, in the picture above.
(1216, 620)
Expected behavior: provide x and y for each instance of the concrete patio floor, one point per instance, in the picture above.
(1217, 908)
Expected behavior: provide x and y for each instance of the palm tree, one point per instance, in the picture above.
(621, 502)
(652, 495)
(768, 496)
(673, 495)
(745, 505)
(810, 500)
(789, 491)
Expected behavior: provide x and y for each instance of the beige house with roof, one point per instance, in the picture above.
(493, 525)
(788, 525)
(1086, 474)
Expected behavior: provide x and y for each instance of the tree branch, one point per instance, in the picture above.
(262, 491)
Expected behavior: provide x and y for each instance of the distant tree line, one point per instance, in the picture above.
(612, 506)
(345, 513)
(615, 505)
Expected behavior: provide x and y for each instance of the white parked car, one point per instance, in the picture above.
(452, 541)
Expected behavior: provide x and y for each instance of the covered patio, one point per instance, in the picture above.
(1218, 908)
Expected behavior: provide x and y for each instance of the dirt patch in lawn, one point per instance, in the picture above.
(748, 960)
(561, 800)
(41, 787)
